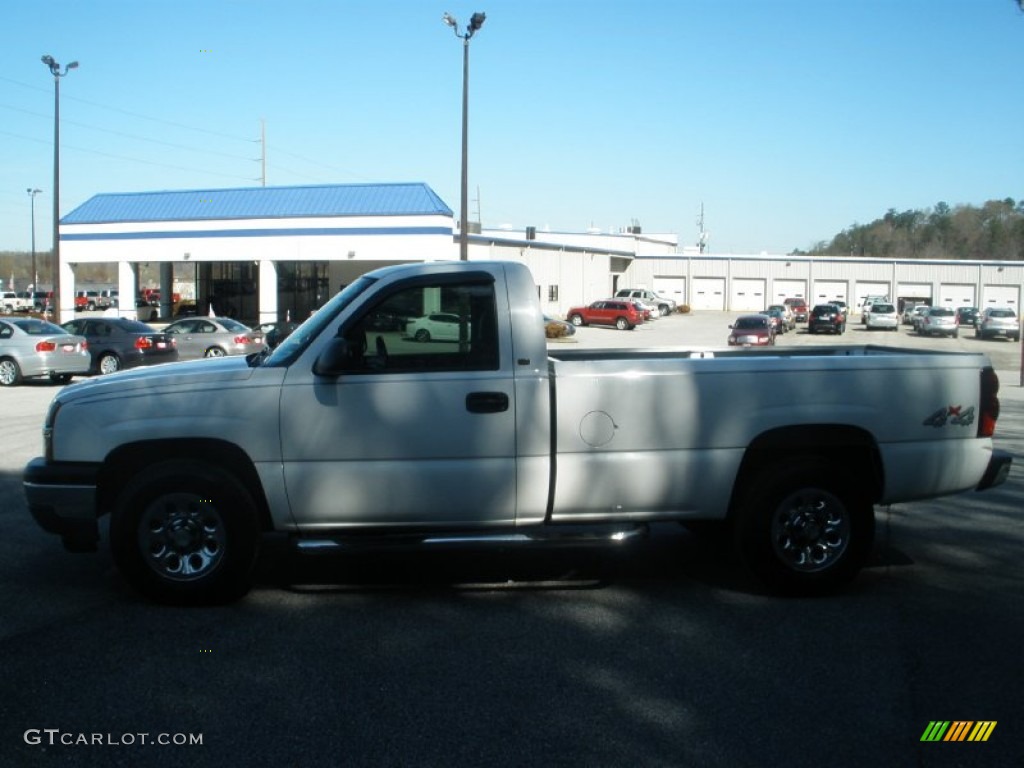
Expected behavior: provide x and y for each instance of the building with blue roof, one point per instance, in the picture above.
(263, 253)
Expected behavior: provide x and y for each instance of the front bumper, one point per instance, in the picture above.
(62, 498)
(997, 470)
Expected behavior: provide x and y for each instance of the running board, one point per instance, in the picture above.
(553, 535)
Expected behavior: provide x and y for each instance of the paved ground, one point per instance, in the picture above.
(655, 656)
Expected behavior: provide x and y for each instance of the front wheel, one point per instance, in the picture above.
(804, 528)
(215, 352)
(185, 532)
(422, 335)
(576, 320)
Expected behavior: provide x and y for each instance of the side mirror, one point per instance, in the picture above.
(335, 359)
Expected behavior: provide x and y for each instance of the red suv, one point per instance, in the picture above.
(799, 309)
(623, 314)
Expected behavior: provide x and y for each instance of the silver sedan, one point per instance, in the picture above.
(30, 347)
(213, 337)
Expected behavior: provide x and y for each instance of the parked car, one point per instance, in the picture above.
(908, 312)
(437, 326)
(660, 304)
(778, 319)
(277, 331)
(967, 316)
(648, 311)
(826, 317)
(119, 342)
(917, 313)
(145, 312)
(752, 331)
(30, 348)
(865, 306)
(883, 316)
(938, 321)
(998, 321)
(213, 337)
(799, 307)
(618, 312)
(788, 317)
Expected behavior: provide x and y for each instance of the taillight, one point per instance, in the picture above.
(143, 342)
(243, 340)
(989, 403)
(46, 346)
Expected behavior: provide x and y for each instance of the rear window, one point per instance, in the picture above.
(1001, 313)
(883, 308)
(941, 312)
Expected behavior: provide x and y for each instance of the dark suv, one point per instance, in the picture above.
(826, 317)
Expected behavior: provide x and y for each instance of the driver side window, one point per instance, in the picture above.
(428, 327)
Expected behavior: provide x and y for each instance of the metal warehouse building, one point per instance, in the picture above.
(751, 283)
(265, 253)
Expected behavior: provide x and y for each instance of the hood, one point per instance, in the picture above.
(167, 376)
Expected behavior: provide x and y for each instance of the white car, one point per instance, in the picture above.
(883, 316)
(437, 326)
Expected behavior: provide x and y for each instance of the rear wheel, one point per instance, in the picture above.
(804, 528)
(10, 373)
(184, 532)
(109, 363)
(622, 324)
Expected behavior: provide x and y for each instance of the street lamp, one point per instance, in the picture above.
(32, 196)
(475, 22)
(54, 68)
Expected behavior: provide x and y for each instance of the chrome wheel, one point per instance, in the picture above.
(109, 364)
(215, 352)
(810, 530)
(10, 373)
(182, 537)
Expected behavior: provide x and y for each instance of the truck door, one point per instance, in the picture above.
(419, 428)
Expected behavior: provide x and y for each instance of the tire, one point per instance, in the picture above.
(622, 323)
(804, 528)
(91, 307)
(10, 373)
(576, 320)
(214, 352)
(183, 532)
(109, 363)
(422, 335)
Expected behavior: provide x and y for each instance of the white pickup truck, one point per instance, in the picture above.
(359, 430)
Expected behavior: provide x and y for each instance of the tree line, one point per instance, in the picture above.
(993, 231)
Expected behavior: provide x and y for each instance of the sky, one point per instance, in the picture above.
(787, 121)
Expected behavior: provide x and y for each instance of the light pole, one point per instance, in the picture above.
(54, 68)
(32, 196)
(475, 22)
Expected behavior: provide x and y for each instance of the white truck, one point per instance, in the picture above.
(353, 433)
(12, 301)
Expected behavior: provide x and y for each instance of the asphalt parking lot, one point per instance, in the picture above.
(657, 655)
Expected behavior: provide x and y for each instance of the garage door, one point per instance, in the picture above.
(671, 288)
(788, 289)
(1000, 296)
(955, 295)
(747, 294)
(708, 293)
(828, 290)
(913, 291)
(869, 288)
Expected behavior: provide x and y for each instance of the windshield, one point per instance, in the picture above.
(299, 339)
(748, 323)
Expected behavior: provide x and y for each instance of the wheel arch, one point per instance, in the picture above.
(852, 448)
(125, 461)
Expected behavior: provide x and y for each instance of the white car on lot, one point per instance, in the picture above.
(938, 321)
(998, 321)
(883, 316)
(438, 326)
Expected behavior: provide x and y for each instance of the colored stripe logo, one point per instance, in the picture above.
(958, 730)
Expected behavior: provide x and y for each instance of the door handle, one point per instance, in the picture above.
(486, 402)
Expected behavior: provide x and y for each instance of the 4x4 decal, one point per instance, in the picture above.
(952, 414)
